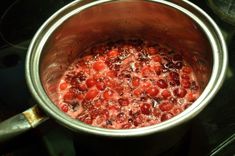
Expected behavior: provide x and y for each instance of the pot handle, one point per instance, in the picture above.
(21, 123)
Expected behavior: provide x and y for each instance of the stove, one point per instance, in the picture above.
(212, 132)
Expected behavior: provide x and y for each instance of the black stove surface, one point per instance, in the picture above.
(212, 132)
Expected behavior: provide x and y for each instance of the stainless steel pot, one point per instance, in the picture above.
(80, 24)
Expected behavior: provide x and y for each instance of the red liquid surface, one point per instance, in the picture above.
(127, 84)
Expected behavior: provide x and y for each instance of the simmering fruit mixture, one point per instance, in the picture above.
(127, 84)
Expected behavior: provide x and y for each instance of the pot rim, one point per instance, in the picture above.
(43, 33)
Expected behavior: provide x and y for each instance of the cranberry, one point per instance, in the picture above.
(180, 92)
(146, 85)
(82, 87)
(157, 58)
(111, 74)
(68, 97)
(94, 113)
(157, 112)
(121, 117)
(165, 94)
(137, 92)
(126, 126)
(63, 86)
(152, 51)
(185, 83)
(152, 91)
(87, 121)
(87, 104)
(123, 101)
(91, 94)
(135, 81)
(100, 85)
(64, 108)
(113, 53)
(187, 69)
(146, 108)
(185, 76)
(108, 94)
(90, 82)
(162, 83)
(165, 106)
(176, 111)
(191, 97)
(174, 78)
(80, 96)
(81, 76)
(98, 66)
(158, 70)
(166, 116)
(147, 71)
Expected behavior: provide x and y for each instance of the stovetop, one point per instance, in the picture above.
(212, 131)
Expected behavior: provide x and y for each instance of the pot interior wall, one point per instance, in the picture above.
(111, 21)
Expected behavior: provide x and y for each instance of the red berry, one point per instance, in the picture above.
(185, 83)
(153, 91)
(185, 76)
(113, 53)
(63, 86)
(100, 85)
(166, 116)
(176, 111)
(94, 113)
(191, 97)
(180, 92)
(121, 117)
(98, 66)
(162, 83)
(123, 101)
(147, 71)
(90, 82)
(64, 108)
(166, 106)
(146, 85)
(135, 81)
(146, 108)
(152, 51)
(82, 87)
(108, 94)
(80, 96)
(111, 74)
(158, 69)
(157, 58)
(91, 94)
(157, 113)
(137, 92)
(126, 126)
(165, 94)
(68, 97)
(187, 69)
(174, 78)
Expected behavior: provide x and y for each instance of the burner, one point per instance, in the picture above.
(22, 18)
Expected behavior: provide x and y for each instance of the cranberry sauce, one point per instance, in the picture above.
(127, 84)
